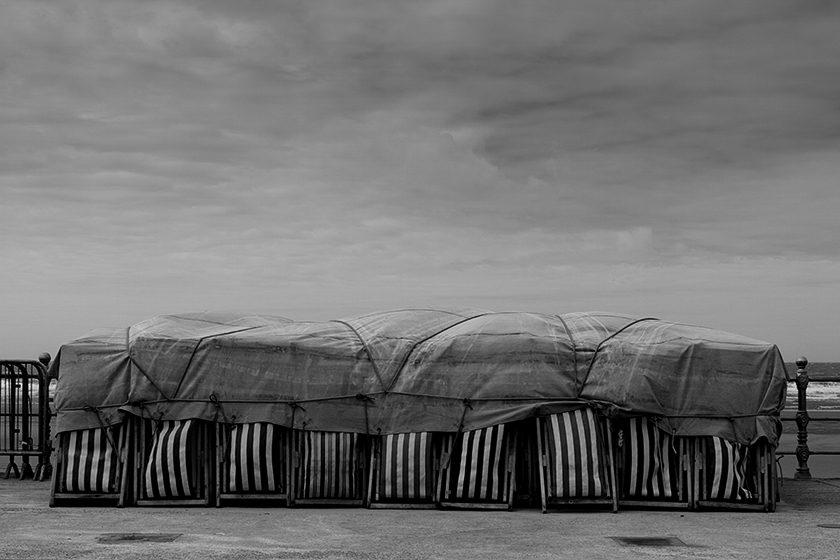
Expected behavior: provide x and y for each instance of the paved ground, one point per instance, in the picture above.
(806, 525)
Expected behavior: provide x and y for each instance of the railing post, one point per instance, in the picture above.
(802, 419)
(44, 469)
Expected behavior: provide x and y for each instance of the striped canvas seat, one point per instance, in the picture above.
(329, 466)
(90, 460)
(256, 459)
(479, 466)
(575, 457)
(406, 469)
(168, 469)
(725, 470)
(651, 461)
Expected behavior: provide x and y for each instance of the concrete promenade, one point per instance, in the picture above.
(806, 526)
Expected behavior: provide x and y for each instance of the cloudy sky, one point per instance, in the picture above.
(320, 159)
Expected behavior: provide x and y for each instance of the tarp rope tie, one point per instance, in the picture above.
(467, 406)
(105, 427)
(447, 456)
(229, 424)
(366, 399)
(142, 406)
(674, 441)
(294, 405)
(219, 409)
(158, 422)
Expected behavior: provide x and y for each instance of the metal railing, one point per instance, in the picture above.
(25, 417)
(802, 419)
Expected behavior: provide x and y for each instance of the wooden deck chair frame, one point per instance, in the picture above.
(760, 474)
(604, 447)
(200, 470)
(454, 443)
(94, 440)
(250, 441)
(357, 458)
(404, 452)
(528, 464)
(684, 451)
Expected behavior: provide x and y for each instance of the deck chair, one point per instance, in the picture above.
(253, 462)
(90, 466)
(528, 464)
(733, 475)
(577, 461)
(477, 469)
(174, 465)
(329, 468)
(403, 471)
(655, 467)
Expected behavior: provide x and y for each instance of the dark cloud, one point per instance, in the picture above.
(337, 157)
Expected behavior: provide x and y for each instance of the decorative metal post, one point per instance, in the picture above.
(802, 419)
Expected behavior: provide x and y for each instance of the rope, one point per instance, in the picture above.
(366, 399)
(448, 457)
(105, 428)
(229, 424)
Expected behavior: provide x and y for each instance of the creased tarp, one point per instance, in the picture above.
(94, 380)
(434, 370)
(701, 380)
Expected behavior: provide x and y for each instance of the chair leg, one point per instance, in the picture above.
(445, 458)
(697, 473)
(511, 473)
(56, 475)
(542, 467)
(220, 462)
(373, 470)
(611, 461)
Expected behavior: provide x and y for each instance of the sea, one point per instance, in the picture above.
(823, 404)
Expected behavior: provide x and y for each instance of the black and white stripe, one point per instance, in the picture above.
(478, 465)
(406, 470)
(167, 473)
(256, 458)
(576, 464)
(651, 461)
(725, 465)
(90, 460)
(329, 465)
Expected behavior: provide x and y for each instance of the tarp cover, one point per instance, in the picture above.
(415, 370)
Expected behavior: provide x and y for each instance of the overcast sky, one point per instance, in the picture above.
(317, 160)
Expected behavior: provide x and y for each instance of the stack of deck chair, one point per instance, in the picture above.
(253, 462)
(477, 469)
(403, 471)
(329, 468)
(174, 465)
(90, 466)
(734, 475)
(655, 466)
(578, 466)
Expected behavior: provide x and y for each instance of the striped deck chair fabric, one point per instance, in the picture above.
(256, 458)
(577, 468)
(478, 465)
(167, 473)
(329, 465)
(725, 465)
(406, 469)
(651, 461)
(91, 460)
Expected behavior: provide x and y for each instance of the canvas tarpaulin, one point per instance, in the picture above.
(436, 370)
